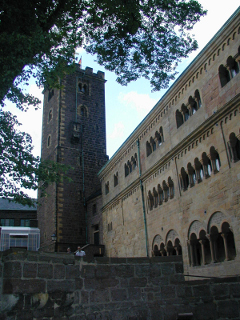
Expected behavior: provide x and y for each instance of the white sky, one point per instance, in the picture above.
(127, 106)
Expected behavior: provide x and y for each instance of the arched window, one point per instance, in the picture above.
(82, 87)
(107, 188)
(50, 115)
(50, 94)
(195, 250)
(193, 104)
(148, 148)
(229, 243)
(171, 188)
(207, 167)
(83, 111)
(158, 138)
(134, 162)
(205, 248)
(198, 170)
(184, 179)
(233, 66)
(215, 160)
(185, 112)
(150, 200)
(156, 252)
(179, 118)
(217, 243)
(178, 247)
(223, 75)
(153, 144)
(234, 146)
(126, 169)
(198, 99)
(162, 250)
(165, 191)
(129, 166)
(160, 194)
(49, 141)
(170, 249)
(115, 179)
(191, 174)
(161, 135)
(155, 196)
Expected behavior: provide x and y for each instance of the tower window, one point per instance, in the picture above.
(83, 88)
(50, 94)
(50, 115)
(82, 111)
(49, 141)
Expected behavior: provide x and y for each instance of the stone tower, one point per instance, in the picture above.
(73, 133)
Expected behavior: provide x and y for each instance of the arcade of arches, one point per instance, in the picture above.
(170, 247)
(206, 244)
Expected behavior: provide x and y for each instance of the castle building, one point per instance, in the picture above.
(73, 134)
(173, 187)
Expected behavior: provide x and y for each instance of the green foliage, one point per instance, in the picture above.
(19, 169)
(134, 38)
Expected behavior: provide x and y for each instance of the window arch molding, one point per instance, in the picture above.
(223, 75)
(173, 244)
(232, 66)
(216, 163)
(234, 146)
(82, 111)
(157, 240)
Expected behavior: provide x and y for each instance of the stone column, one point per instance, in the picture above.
(176, 249)
(211, 247)
(224, 235)
(203, 251)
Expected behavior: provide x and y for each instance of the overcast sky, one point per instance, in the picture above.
(127, 106)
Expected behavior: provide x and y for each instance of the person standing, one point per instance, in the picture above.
(80, 253)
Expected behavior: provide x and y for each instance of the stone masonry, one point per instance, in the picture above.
(61, 286)
(177, 189)
(73, 134)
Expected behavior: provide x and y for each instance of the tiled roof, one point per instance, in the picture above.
(5, 204)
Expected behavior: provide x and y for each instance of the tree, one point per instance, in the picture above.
(19, 169)
(134, 38)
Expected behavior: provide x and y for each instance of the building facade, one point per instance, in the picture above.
(73, 134)
(173, 187)
(17, 215)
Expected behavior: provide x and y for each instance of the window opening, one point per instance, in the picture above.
(179, 118)
(115, 179)
(233, 66)
(107, 188)
(223, 75)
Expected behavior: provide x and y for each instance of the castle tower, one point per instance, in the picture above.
(73, 133)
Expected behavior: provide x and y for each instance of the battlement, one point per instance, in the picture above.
(89, 71)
